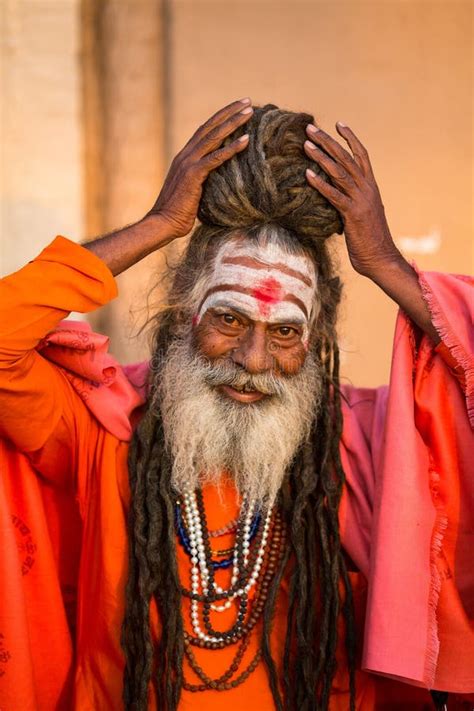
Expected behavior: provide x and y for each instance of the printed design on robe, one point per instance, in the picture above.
(5, 656)
(26, 546)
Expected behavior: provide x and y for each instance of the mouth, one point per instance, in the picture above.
(244, 394)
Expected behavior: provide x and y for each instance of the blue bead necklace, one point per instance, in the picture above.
(184, 538)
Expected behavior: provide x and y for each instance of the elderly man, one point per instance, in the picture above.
(228, 556)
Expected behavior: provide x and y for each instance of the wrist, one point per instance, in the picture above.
(160, 229)
(387, 266)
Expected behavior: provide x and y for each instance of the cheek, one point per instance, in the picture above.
(210, 342)
(291, 360)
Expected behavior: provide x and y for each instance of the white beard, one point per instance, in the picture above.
(208, 433)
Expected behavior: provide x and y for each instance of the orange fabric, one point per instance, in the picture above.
(43, 672)
(38, 581)
(67, 450)
(454, 500)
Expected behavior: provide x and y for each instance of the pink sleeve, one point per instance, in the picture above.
(406, 516)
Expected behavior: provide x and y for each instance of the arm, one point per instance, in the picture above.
(354, 192)
(175, 209)
(440, 305)
(35, 396)
(420, 534)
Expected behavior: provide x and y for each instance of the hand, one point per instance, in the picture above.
(178, 202)
(355, 194)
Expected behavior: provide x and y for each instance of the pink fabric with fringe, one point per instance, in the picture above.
(416, 552)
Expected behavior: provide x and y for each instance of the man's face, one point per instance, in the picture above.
(255, 312)
(257, 346)
(239, 393)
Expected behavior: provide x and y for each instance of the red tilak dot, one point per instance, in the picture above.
(267, 292)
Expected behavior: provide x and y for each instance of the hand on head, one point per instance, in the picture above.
(354, 193)
(351, 187)
(178, 201)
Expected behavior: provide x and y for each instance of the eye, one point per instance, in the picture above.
(229, 320)
(286, 332)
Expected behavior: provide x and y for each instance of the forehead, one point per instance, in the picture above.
(265, 282)
(242, 253)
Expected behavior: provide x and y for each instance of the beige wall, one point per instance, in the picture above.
(40, 127)
(88, 86)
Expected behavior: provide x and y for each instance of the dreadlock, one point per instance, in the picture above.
(264, 185)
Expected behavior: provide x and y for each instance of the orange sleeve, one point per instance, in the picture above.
(34, 394)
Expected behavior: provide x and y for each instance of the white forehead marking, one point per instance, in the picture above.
(266, 282)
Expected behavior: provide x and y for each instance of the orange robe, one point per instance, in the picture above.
(63, 502)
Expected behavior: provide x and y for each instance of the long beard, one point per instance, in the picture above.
(208, 434)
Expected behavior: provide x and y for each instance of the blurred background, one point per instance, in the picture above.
(98, 95)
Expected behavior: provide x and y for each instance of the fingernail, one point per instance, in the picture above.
(245, 100)
(342, 125)
(312, 128)
(248, 110)
(309, 144)
(310, 172)
(243, 138)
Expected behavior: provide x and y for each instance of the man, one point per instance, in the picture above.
(241, 579)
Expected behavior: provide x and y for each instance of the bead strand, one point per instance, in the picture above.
(260, 544)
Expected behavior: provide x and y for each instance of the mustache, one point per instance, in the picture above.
(225, 372)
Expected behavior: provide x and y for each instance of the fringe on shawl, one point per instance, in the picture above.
(449, 339)
(441, 521)
(437, 536)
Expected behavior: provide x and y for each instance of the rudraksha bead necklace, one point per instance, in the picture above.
(244, 575)
(183, 537)
(253, 562)
(272, 559)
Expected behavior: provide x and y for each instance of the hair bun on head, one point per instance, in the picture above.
(266, 182)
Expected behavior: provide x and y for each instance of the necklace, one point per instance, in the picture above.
(244, 576)
(228, 528)
(260, 543)
(185, 541)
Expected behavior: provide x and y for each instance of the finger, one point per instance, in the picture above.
(334, 149)
(215, 137)
(215, 120)
(217, 158)
(335, 197)
(336, 172)
(359, 151)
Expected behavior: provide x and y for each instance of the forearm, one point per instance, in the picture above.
(176, 207)
(121, 249)
(400, 282)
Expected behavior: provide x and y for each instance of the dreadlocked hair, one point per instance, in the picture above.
(262, 191)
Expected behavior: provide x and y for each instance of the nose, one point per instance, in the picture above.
(253, 352)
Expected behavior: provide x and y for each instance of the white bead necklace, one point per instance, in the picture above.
(200, 576)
